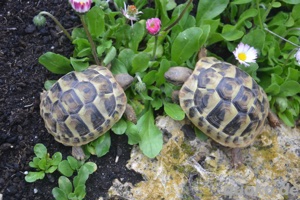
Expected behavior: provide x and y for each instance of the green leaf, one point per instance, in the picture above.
(292, 1)
(80, 191)
(205, 35)
(51, 169)
(59, 194)
(111, 54)
(48, 84)
(79, 64)
(246, 15)
(126, 56)
(293, 74)
(148, 78)
(65, 169)
(151, 137)
(200, 134)
(65, 184)
(209, 9)
(133, 133)
(255, 38)
(55, 63)
(40, 150)
(33, 176)
(161, 7)
(281, 103)
(238, 2)
(287, 118)
(118, 67)
(95, 21)
(90, 166)
(137, 33)
(186, 44)
(56, 158)
(78, 33)
(229, 33)
(120, 127)
(163, 67)
(156, 103)
(273, 89)
(82, 176)
(289, 88)
(74, 163)
(140, 62)
(174, 111)
(35, 162)
(102, 144)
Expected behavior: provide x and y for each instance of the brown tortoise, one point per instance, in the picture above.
(222, 101)
(81, 106)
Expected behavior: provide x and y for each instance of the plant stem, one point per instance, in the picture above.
(259, 16)
(57, 23)
(155, 46)
(292, 43)
(90, 40)
(180, 16)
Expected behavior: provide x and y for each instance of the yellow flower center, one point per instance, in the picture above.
(132, 10)
(242, 56)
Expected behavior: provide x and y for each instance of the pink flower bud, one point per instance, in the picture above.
(153, 25)
(81, 6)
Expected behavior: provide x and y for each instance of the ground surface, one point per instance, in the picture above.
(21, 81)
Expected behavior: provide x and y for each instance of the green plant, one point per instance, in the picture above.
(75, 190)
(43, 163)
(218, 25)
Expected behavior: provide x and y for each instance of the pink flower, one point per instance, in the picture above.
(153, 25)
(81, 6)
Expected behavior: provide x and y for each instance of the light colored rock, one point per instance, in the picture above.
(188, 168)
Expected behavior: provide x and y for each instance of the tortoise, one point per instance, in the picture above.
(81, 106)
(222, 101)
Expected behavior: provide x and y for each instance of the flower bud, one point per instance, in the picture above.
(39, 20)
(140, 86)
(153, 26)
(81, 6)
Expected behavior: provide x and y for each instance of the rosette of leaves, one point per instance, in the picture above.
(43, 163)
(75, 189)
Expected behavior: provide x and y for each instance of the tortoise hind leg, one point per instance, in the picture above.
(130, 114)
(78, 153)
(273, 119)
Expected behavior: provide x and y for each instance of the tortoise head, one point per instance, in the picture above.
(178, 75)
(124, 80)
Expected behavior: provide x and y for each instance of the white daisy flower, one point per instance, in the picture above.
(297, 56)
(131, 13)
(245, 54)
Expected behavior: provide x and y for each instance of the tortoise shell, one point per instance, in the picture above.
(224, 102)
(81, 106)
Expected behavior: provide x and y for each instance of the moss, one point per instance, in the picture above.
(188, 149)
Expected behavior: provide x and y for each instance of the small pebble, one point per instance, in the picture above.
(35, 190)
(30, 28)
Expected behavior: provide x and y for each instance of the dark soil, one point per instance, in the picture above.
(21, 81)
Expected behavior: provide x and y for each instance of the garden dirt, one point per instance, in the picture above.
(21, 81)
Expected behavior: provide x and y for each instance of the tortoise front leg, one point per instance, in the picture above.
(175, 96)
(77, 152)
